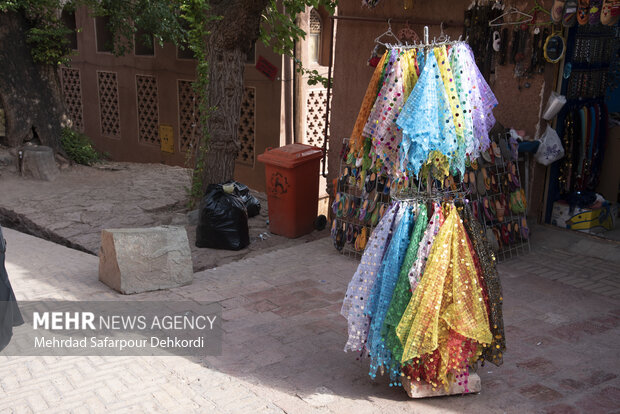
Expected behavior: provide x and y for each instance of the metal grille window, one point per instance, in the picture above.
(314, 37)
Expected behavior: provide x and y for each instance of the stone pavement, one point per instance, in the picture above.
(82, 201)
(284, 338)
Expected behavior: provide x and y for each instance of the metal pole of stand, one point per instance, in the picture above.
(428, 179)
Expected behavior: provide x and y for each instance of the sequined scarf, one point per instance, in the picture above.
(402, 292)
(448, 296)
(384, 289)
(357, 139)
(362, 283)
(494, 352)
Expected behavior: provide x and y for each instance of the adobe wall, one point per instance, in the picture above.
(264, 116)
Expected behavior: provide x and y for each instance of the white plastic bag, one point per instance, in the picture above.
(554, 104)
(550, 149)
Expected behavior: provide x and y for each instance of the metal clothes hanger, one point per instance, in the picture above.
(389, 33)
(538, 8)
(442, 36)
(512, 11)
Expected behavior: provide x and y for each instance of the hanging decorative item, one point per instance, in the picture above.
(555, 46)
(266, 68)
(375, 55)
(425, 118)
(408, 35)
(370, 3)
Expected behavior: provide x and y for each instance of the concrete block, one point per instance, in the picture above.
(425, 391)
(39, 163)
(141, 260)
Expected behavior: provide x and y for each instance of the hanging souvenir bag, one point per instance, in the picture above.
(550, 149)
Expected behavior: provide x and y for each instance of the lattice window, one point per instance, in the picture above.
(108, 104)
(189, 116)
(315, 116)
(315, 22)
(247, 125)
(72, 92)
(314, 37)
(148, 109)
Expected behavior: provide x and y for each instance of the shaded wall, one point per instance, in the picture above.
(144, 92)
(518, 109)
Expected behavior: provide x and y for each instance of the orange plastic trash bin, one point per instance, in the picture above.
(292, 176)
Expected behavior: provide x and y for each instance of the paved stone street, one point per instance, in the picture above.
(284, 338)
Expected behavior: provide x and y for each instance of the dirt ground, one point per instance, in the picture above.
(75, 207)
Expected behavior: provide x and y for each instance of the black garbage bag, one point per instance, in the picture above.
(10, 315)
(223, 220)
(252, 204)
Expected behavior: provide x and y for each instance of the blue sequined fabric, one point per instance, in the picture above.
(384, 289)
(426, 120)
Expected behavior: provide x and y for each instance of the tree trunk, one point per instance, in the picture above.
(226, 50)
(30, 93)
(225, 94)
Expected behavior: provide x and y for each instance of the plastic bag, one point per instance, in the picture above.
(252, 204)
(550, 149)
(223, 220)
(554, 105)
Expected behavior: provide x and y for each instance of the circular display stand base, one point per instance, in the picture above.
(426, 391)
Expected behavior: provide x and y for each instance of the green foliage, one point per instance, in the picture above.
(162, 19)
(196, 14)
(79, 147)
(178, 21)
(49, 44)
(47, 35)
(280, 31)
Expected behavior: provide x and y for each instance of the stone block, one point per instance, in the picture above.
(6, 158)
(39, 163)
(141, 260)
(425, 391)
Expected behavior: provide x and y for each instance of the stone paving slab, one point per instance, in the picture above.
(284, 338)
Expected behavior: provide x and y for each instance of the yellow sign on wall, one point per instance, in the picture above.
(166, 136)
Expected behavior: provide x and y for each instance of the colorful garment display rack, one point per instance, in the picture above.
(426, 112)
(425, 302)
